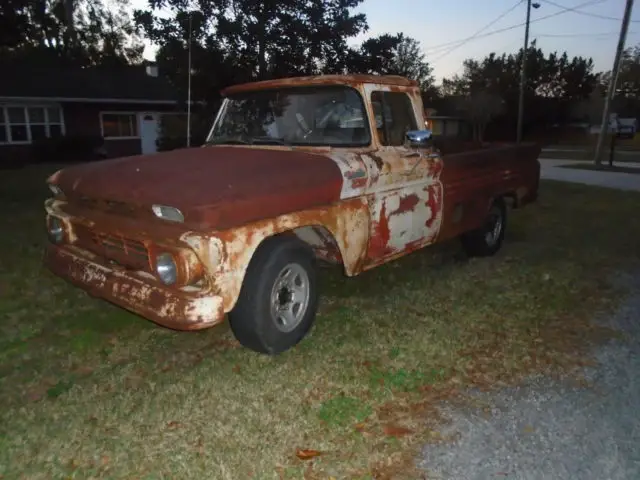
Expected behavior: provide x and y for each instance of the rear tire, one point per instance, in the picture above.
(278, 300)
(487, 240)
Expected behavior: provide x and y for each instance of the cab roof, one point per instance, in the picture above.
(352, 80)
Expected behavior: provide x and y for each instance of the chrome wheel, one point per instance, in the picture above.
(494, 228)
(290, 297)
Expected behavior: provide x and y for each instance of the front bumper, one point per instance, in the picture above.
(170, 307)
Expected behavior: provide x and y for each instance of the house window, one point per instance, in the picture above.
(119, 125)
(394, 116)
(27, 124)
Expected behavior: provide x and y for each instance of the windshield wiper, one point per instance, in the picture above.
(251, 141)
(228, 141)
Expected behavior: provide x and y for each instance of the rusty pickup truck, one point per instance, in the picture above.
(334, 168)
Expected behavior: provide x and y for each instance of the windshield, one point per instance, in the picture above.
(321, 116)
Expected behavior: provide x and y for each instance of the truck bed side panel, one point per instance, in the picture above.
(472, 179)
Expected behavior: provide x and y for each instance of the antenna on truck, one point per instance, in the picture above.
(189, 87)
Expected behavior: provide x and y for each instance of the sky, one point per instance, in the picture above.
(437, 22)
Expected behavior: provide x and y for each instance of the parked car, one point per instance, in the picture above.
(337, 168)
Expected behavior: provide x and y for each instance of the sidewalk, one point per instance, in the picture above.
(555, 150)
(551, 170)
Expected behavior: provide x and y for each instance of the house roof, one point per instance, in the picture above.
(106, 85)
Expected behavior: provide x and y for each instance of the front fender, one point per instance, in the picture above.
(226, 254)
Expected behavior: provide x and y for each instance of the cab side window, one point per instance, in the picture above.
(394, 116)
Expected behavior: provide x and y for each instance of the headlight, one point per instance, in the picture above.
(166, 268)
(168, 213)
(56, 190)
(55, 229)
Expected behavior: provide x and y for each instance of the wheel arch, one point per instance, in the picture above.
(508, 197)
(338, 233)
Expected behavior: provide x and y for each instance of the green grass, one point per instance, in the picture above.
(91, 391)
(604, 168)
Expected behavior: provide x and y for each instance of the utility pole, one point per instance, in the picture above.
(523, 70)
(604, 126)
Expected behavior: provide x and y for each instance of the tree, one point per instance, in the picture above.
(262, 39)
(80, 33)
(551, 75)
(234, 41)
(393, 55)
(480, 108)
(211, 68)
(628, 84)
(554, 84)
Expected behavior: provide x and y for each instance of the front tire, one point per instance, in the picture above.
(278, 300)
(487, 240)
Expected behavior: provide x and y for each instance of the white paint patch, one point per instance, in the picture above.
(410, 226)
(400, 224)
(192, 239)
(203, 309)
(91, 275)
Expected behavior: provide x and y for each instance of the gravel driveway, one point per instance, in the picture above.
(555, 430)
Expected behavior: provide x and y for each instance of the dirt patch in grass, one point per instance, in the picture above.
(92, 391)
(604, 168)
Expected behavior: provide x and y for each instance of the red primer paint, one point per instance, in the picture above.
(214, 187)
(407, 204)
(378, 246)
(359, 183)
(434, 169)
(414, 245)
(433, 202)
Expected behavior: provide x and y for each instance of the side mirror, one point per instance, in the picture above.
(418, 138)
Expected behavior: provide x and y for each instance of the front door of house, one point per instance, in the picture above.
(149, 132)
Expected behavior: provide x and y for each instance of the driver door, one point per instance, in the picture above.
(405, 198)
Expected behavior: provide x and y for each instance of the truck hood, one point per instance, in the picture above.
(214, 187)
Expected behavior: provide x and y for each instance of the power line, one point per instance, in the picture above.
(565, 35)
(494, 32)
(439, 47)
(447, 52)
(588, 14)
